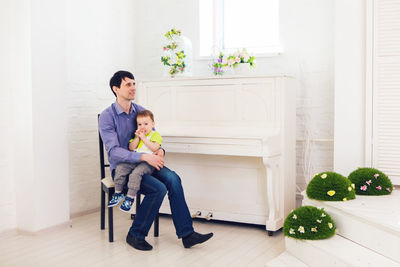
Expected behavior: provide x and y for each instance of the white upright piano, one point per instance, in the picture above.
(232, 142)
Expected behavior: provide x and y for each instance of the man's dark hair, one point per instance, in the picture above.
(118, 77)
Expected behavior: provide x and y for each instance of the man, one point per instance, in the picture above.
(117, 123)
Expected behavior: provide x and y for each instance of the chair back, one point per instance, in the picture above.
(103, 163)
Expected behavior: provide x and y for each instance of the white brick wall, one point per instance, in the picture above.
(99, 42)
(307, 28)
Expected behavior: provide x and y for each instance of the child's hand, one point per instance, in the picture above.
(140, 134)
(132, 146)
(137, 133)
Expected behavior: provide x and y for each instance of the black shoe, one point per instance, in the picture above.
(195, 238)
(137, 243)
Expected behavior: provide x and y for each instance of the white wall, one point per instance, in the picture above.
(14, 54)
(307, 32)
(349, 85)
(36, 194)
(49, 121)
(21, 69)
(100, 41)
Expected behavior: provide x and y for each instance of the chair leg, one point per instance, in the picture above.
(102, 209)
(110, 222)
(156, 225)
(138, 200)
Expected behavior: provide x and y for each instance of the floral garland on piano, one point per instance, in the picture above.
(174, 57)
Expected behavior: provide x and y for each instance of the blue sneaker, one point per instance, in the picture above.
(127, 204)
(116, 198)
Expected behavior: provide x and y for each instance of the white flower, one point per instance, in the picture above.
(224, 60)
(349, 188)
(301, 229)
(319, 221)
(237, 59)
(330, 225)
(294, 216)
(291, 231)
(323, 176)
(230, 62)
(314, 229)
(246, 58)
(323, 215)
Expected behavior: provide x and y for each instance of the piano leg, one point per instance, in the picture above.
(275, 220)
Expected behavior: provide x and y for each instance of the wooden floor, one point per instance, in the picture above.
(83, 244)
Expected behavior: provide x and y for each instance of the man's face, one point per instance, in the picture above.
(145, 124)
(127, 89)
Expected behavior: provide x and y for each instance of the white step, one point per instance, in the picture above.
(335, 251)
(371, 221)
(286, 260)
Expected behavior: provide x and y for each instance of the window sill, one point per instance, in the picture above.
(276, 52)
(260, 55)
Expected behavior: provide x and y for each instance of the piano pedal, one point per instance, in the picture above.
(197, 214)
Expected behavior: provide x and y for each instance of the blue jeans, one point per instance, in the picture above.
(154, 187)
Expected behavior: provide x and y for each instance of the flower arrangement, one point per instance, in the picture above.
(233, 60)
(309, 222)
(220, 66)
(240, 57)
(175, 57)
(330, 186)
(370, 181)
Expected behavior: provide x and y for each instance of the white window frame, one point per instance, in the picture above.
(218, 32)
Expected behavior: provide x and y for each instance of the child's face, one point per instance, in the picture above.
(145, 124)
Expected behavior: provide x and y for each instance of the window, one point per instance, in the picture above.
(229, 25)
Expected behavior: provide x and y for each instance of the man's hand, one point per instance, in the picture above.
(159, 152)
(153, 160)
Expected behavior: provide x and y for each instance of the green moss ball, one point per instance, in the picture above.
(330, 186)
(309, 222)
(370, 181)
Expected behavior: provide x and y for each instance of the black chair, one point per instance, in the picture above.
(107, 187)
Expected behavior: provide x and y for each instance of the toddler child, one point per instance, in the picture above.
(145, 141)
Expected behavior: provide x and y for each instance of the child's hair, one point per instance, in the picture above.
(146, 113)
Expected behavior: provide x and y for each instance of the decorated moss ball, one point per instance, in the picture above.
(330, 186)
(309, 222)
(370, 181)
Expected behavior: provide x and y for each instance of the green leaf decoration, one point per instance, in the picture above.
(310, 223)
(370, 181)
(330, 186)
